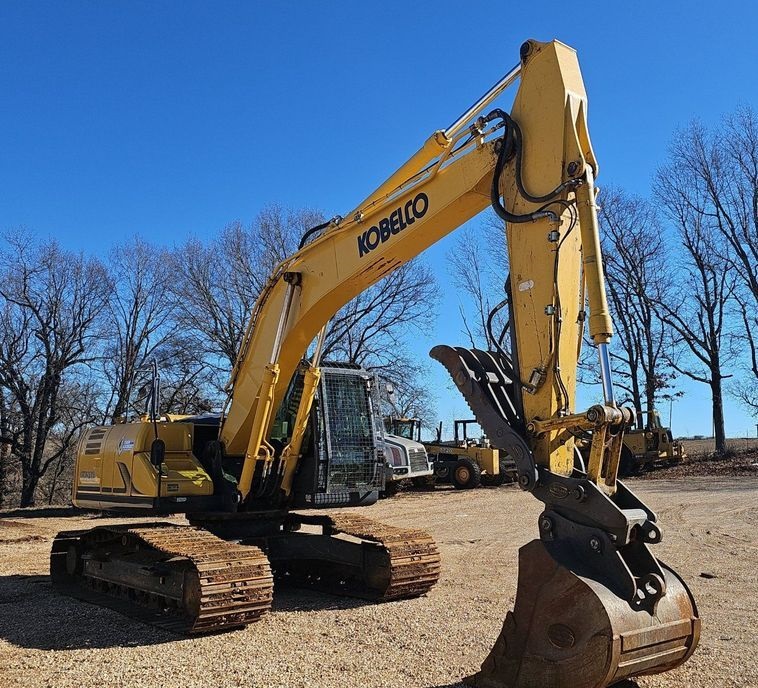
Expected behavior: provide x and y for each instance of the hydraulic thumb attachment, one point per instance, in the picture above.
(593, 605)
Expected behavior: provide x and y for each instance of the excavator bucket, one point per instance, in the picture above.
(569, 630)
(593, 605)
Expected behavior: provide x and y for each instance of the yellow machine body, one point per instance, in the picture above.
(466, 466)
(487, 458)
(653, 443)
(113, 468)
(593, 527)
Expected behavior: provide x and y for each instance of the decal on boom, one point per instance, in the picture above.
(394, 223)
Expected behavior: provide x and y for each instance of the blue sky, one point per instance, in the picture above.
(173, 118)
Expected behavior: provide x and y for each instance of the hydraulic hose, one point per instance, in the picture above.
(312, 231)
(512, 146)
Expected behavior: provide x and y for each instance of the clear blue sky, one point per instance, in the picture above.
(173, 118)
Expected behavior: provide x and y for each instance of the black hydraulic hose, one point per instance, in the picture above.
(490, 318)
(507, 150)
(312, 231)
(506, 360)
(518, 136)
(511, 145)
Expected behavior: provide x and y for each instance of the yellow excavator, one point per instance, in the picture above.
(594, 606)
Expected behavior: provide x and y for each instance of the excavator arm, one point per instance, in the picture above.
(594, 606)
(446, 183)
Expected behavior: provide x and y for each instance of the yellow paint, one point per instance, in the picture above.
(119, 464)
(550, 107)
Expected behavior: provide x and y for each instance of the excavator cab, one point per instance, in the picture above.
(342, 463)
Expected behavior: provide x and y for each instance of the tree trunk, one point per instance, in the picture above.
(5, 449)
(28, 488)
(650, 397)
(636, 393)
(5, 452)
(718, 412)
(57, 472)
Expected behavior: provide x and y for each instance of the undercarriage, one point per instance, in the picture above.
(219, 573)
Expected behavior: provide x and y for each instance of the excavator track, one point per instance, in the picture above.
(180, 578)
(414, 556)
(388, 563)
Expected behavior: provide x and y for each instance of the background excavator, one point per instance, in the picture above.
(593, 605)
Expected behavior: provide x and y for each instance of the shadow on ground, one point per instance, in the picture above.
(463, 684)
(44, 512)
(34, 615)
(288, 598)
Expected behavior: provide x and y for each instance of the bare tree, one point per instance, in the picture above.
(411, 397)
(51, 302)
(188, 385)
(142, 329)
(78, 404)
(478, 264)
(737, 211)
(139, 310)
(372, 330)
(219, 284)
(732, 184)
(722, 166)
(635, 261)
(6, 442)
(703, 282)
(745, 389)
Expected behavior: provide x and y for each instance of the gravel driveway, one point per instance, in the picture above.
(710, 527)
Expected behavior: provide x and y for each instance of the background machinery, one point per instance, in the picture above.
(644, 447)
(593, 605)
(649, 445)
(407, 433)
(407, 459)
(468, 462)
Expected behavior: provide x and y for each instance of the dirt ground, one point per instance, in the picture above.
(310, 639)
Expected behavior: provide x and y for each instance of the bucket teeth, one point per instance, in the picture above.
(489, 389)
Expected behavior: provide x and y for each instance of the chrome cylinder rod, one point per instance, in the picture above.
(316, 360)
(283, 317)
(483, 102)
(605, 374)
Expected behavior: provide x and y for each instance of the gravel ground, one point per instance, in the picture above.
(318, 640)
